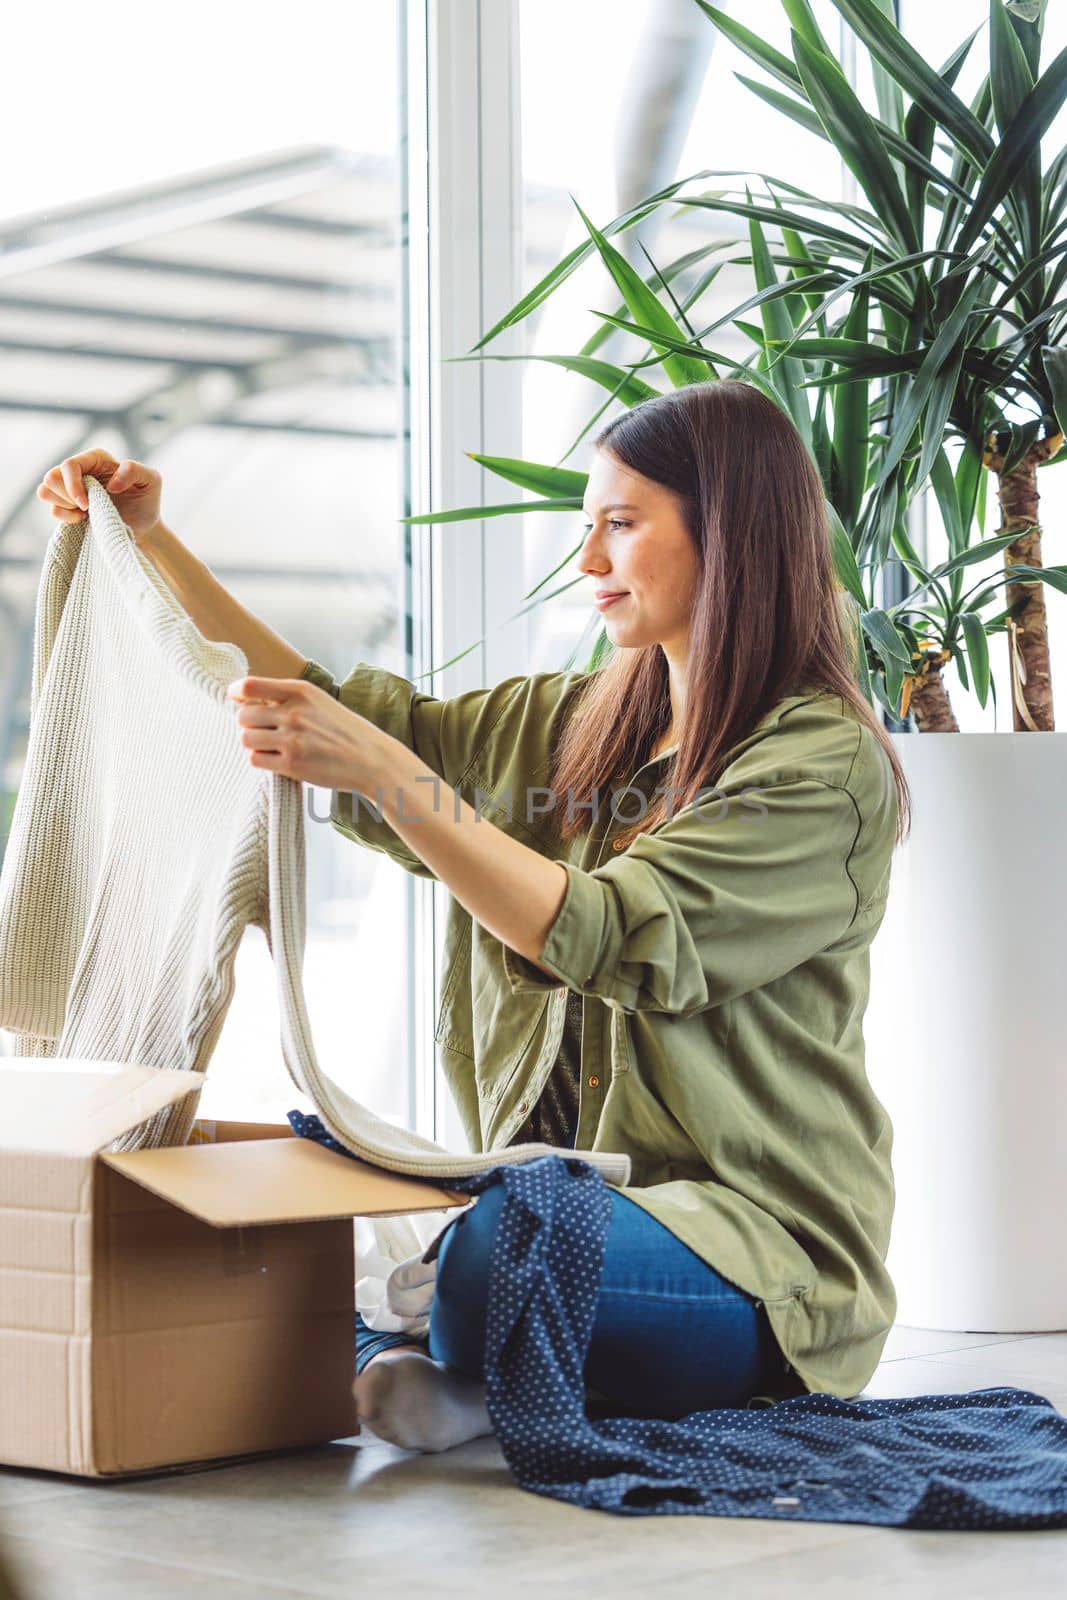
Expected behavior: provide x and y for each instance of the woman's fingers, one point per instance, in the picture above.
(275, 690)
(98, 463)
(260, 738)
(251, 714)
(64, 485)
(53, 488)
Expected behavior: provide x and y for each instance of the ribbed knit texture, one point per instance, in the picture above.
(144, 842)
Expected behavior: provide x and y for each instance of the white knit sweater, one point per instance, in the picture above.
(144, 842)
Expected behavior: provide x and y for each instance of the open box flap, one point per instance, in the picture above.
(65, 1105)
(275, 1180)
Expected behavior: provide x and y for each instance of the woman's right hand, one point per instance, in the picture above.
(135, 489)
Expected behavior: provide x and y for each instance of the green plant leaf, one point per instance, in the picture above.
(961, 666)
(848, 573)
(906, 148)
(803, 23)
(886, 89)
(561, 483)
(917, 78)
(943, 392)
(444, 665)
(1028, 19)
(848, 243)
(1055, 577)
(556, 569)
(1011, 81)
(978, 652)
(968, 472)
(474, 513)
(857, 356)
(944, 487)
(894, 683)
(681, 369)
(1024, 330)
(856, 139)
(978, 552)
(1016, 146)
(886, 638)
(753, 46)
(574, 258)
(778, 323)
(852, 419)
(629, 389)
(684, 346)
(878, 684)
(602, 651)
(942, 350)
(1054, 361)
(1023, 435)
(769, 290)
(875, 277)
(683, 263)
(859, 645)
(798, 111)
(798, 260)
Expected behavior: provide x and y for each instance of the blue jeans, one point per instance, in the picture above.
(670, 1335)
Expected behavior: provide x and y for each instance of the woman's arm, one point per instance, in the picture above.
(513, 891)
(292, 728)
(214, 610)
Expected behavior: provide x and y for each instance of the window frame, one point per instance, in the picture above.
(462, 183)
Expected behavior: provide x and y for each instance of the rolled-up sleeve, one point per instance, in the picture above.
(721, 899)
(452, 736)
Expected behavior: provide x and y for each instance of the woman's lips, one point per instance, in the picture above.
(609, 600)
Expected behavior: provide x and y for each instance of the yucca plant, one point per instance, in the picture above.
(928, 316)
(965, 263)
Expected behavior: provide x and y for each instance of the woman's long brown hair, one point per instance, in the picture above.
(767, 617)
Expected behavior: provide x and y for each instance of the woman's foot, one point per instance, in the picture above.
(413, 1401)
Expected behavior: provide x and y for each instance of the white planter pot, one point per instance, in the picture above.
(966, 1036)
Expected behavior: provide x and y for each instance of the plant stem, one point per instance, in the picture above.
(931, 704)
(1019, 499)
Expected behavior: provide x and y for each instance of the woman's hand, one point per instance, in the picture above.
(137, 490)
(293, 727)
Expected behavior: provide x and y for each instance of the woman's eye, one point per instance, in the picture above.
(613, 522)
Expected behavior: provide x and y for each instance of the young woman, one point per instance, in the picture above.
(665, 878)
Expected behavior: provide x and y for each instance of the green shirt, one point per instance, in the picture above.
(724, 963)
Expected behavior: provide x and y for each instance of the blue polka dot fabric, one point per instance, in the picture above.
(993, 1458)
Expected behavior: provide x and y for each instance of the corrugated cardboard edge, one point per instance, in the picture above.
(246, 1182)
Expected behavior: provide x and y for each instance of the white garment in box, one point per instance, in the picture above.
(395, 1286)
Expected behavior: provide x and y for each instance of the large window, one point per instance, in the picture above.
(203, 260)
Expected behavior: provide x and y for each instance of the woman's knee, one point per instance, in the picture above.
(461, 1287)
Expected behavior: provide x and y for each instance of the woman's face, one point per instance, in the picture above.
(636, 542)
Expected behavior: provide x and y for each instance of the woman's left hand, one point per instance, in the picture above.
(293, 727)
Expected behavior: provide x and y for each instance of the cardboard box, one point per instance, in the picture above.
(165, 1307)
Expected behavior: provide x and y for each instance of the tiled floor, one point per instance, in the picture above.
(364, 1518)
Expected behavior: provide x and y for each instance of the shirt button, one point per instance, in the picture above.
(524, 1106)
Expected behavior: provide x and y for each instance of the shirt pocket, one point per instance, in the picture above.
(620, 1057)
(454, 1025)
(505, 804)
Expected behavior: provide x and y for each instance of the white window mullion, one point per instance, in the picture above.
(464, 267)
